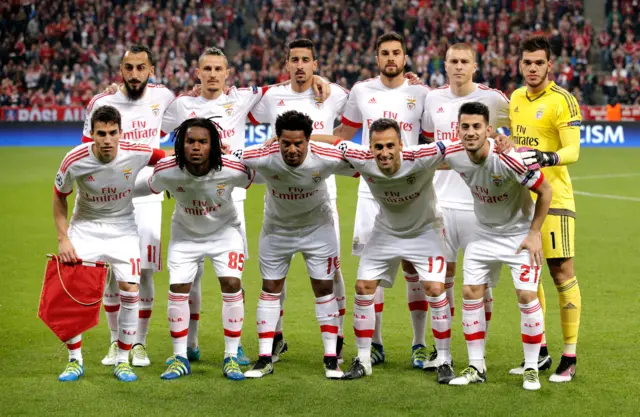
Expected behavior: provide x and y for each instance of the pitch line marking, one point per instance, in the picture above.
(609, 196)
(604, 176)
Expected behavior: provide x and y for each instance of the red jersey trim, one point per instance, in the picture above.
(86, 139)
(350, 123)
(96, 98)
(427, 134)
(73, 157)
(252, 119)
(535, 186)
(60, 193)
(334, 153)
(513, 164)
(485, 88)
(150, 187)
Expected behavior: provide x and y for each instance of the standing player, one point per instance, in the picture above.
(230, 111)
(387, 96)
(508, 232)
(298, 218)
(299, 95)
(405, 228)
(141, 105)
(547, 118)
(440, 121)
(204, 224)
(102, 227)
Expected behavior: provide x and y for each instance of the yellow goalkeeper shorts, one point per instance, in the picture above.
(558, 236)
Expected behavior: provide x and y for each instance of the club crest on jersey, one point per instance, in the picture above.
(497, 180)
(127, 173)
(540, 112)
(155, 109)
(319, 103)
(411, 179)
(411, 103)
(220, 189)
(228, 109)
(316, 177)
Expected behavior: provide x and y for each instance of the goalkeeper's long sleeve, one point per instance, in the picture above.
(570, 146)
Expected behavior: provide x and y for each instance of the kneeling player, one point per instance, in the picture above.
(205, 224)
(401, 182)
(508, 232)
(298, 218)
(102, 226)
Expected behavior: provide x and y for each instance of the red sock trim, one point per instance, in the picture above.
(474, 336)
(112, 309)
(535, 339)
(181, 333)
(123, 346)
(195, 316)
(378, 307)
(74, 346)
(487, 315)
(422, 305)
(144, 314)
(342, 311)
(329, 329)
(266, 335)
(363, 333)
(441, 335)
(231, 333)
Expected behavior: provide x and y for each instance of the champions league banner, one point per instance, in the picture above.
(69, 134)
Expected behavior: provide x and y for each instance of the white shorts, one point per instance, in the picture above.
(336, 220)
(383, 253)
(225, 249)
(117, 244)
(243, 228)
(317, 244)
(149, 222)
(485, 255)
(366, 211)
(458, 231)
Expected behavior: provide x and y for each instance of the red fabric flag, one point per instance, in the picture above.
(71, 296)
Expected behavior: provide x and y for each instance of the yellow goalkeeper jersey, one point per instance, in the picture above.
(550, 122)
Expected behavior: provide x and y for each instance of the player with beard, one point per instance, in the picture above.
(142, 106)
(546, 119)
(388, 96)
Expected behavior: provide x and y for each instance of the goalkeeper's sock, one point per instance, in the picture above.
(127, 323)
(74, 346)
(570, 308)
(543, 304)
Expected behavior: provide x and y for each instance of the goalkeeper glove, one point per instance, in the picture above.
(534, 159)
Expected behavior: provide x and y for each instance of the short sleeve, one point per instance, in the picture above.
(351, 115)
(64, 179)
(242, 176)
(517, 168)
(342, 96)
(426, 121)
(259, 112)
(155, 183)
(171, 118)
(502, 107)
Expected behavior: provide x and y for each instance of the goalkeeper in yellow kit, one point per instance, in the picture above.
(546, 119)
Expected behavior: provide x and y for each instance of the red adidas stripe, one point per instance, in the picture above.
(76, 157)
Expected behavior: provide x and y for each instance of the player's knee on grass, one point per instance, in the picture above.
(473, 292)
(407, 267)
(451, 269)
(230, 284)
(128, 286)
(180, 288)
(433, 288)
(561, 269)
(366, 287)
(273, 286)
(322, 287)
(525, 297)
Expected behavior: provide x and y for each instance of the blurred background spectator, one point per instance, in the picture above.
(65, 51)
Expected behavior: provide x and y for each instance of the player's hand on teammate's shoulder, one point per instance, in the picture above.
(533, 244)
(195, 91)
(270, 141)
(111, 88)
(413, 79)
(321, 88)
(66, 251)
(504, 143)
(226, 149)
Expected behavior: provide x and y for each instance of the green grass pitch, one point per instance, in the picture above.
(607, 267)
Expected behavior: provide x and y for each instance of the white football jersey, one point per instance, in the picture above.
(105, 191)
(406, 198)
(141, 120)
(500, 188)
(203, 204)
(440, 121)
(282, 98)
(229, 111)
(370, 100)
(296, 196)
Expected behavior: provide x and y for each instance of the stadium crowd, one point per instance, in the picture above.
(68, 51)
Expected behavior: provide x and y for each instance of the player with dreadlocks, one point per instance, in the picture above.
(204, 224)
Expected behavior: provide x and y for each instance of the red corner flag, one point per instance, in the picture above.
(71, 296)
